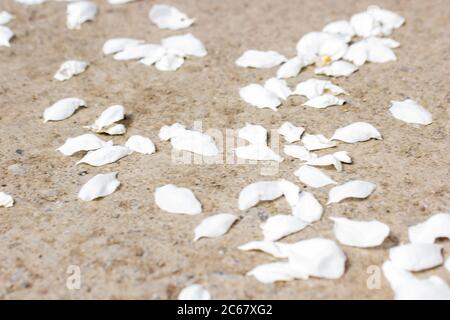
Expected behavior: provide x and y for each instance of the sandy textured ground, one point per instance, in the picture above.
(128, 248)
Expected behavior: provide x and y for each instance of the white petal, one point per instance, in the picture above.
(5, 36)
(343, 156)
(84, 142)
(168, 17)
(260, 59)
(361, 234)
(317, 142)
(280, 226)
(416, 256)
(307, 208)
(63, 109)
(447, 265)
(175, 199)
(276, 249)
(407, 287)
(387, 20)
(5, 17)
(194, 292)
(116, 129)
(168, 132)
(341, 28)
(386, 42)
(356, 132)
(99, 186)
(260, 97)
(372, 50)
(327, 100)
(69, 69)
(214, 226)
(185, 45)
(6, 200)
(298, 152)
(318, 257)
(118, 44)
(257, 152)
(267, 191)
(196, 142)
(80, 12)
(277, 271)
(313, 88)
(437, 226)
(291, 68)
(321, 44)
(411, 112)
(326, 160)
(313, 177)
(105, 155)
(30, 2)
(168, 62)
(337, 69)
(357, 53)
(108, 117)
(278, 87)
(290, 132)
(137, 51)
(365, 25)
(119, 1)
(140, 144)
(351, 189)
(255, 134)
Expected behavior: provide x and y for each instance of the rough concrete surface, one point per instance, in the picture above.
(124, 245)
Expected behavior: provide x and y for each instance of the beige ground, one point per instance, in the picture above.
(124, 245)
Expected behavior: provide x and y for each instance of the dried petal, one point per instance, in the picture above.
(260, 97)
(277, 271)
(119, 44)
(327, 100)
(307, 207)
(140, 144)
(69, 69)
(356, 132)
(313, 177)
(185, 45)
(6, 200)
(175, 199)
(280, 226)
(168, 17)
(99, 186)
(317, 142)
(63, 109)
(260, 59)
(214, 226)
(105, 155)
(361, 234)
(194, 292)
(84, 142)
(80, 12)
(437, 226)
(416, 256)
(411, 112)
(290, 132)
(255, 134)
(351, 189)
(337, 69)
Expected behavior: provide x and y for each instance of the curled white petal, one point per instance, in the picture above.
(361, 234)
(411, 112)
(337, 69)
(276, 249)
(105, 155)
(168, 17)
(291, 68)
(322, 44)
(280, 226)
(80, 12)
(99, 186)
(167, 62)
(69, 69)
(437, 226)
(313, 177)
(5, 17)
(175, 199)
(356, 132)
(259, 97)
(290, 132)
(6, 200)
(185, 45)
(277, 271)
(324, 101)
(168, 132)
(137, 51)
(84, 142)
(108, 117)
(63, 109)
(194, 292)
(416, 256)
(214, 226)
(196, 142)
(257, 152)
(260, 59)
(307, 208)
(6, 35)
(340, 28)
(313, 88)
(317, 142)
(278, 87)
(298, 152)
(255, 134)
(115, 45)
(140, 144)
(352, 189)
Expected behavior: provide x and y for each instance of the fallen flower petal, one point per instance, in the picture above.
(437, 226)
(5, 17)
(278, 87)
(105, 155)
(185, 45)
(6, 200)
(194, 292)
(257, 152)
(69, 69)
(168, 17)
(140, 144)
(343, 156)
(175, 199)
(80, 12)
(411, 112)
(260, 59)
(321, 44)
(327, 100)
(361, 234)
(168, 132)
(63, 109)
(291, 68)
(116, 129)
(168, 62)
(307, 208)
(255, 192)
(276, 249)
(214, 226)
(260, 97)
(356, 132)
(280, 226)
(6, 35)
(290, 132)
(196, 142)
(119, 44)
(326, 160)
(313, 88)
(255, 134)
(298, 152)
(447, 265)
(108, 117)
(337, 69)
(416, 256)
(84, 142)
(277, 271)
(317, 142)
(99, 186)
(341, 28)
(351, 189)
(137, 51)
(313, 177)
